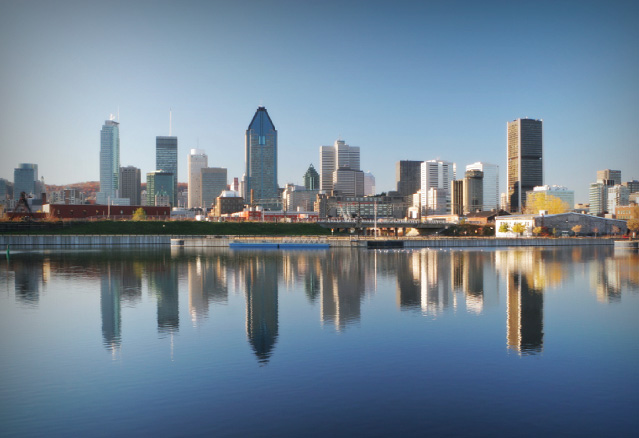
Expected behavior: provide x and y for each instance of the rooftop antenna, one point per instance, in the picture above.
(170, 121)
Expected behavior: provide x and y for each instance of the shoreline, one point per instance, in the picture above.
(29, 241)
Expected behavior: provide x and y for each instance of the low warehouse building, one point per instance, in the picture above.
(560, 224)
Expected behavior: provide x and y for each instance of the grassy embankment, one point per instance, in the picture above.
(182, 228)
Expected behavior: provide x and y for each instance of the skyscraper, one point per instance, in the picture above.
(25, 177)
(213, 180)
(473, 198)
(261, 161)
(407, 176)
(130, 184)
(341, 157)
(491, 184)
(159, 186)
(609, 177)
(435, 183)
(311, 179)
(109, 161)
(525, 164)
(369, 184)
(166, 160)
(197, 160)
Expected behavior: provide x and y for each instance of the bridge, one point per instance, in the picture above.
(386, 226)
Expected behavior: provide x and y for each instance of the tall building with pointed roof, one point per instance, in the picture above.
(260, 178)
(311, 179)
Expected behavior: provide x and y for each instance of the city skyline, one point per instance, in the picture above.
(414, 82)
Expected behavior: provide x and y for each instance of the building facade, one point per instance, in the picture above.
(24, 179)
(473, 191)
(260, 178)
(296, 198)
(408, 177)
(159, 188)
(311, 179)
(369, 184)
(130, 184)
(609, 177)
(525, 160)
(436, 178)
(109, 162)
(490, 194)
(196, 161)
(618, 196)
(333, 158)
(214, 181)
(633, 186)
(166, 160)
(598, 198)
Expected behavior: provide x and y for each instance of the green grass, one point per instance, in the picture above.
(185, 228)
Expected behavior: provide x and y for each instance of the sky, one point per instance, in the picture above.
(402, 80)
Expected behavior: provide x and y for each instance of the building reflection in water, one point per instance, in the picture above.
(29, 275)
(260, 274)
(120, 281)
(110, 307)
(524, 270)
(163, 281)
(341, 285)
(207, 279)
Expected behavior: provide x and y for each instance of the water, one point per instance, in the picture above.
(222, 342)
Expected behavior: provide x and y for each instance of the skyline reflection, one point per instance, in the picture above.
(334, 284)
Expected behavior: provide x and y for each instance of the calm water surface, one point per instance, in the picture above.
(162, 342)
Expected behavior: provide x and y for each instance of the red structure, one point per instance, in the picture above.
(88, 211)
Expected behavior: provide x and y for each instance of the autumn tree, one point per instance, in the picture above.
(519, 228)
(504, 228)
(538, 230)
(139, 215)
(633, 225)
(576, 229)
(536, 202)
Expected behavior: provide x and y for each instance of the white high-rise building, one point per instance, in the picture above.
(618, 195)
(109, 162)
(332, 158)
(196, 161)
(491, 184)
(369, 184)
(437, 175)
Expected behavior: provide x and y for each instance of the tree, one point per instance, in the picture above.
(543, 201)
(576, 229)
(139, 215)
(615, 230)
(519, 228)
(504, 227)
(633, 225)
(596, 231)
(537, 231)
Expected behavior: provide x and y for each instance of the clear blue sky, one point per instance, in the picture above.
(402, 80)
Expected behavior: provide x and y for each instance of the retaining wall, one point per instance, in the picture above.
(223, 241)
(84, 240)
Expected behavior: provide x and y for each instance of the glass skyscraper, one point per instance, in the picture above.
(109, 161)
(525, 165)
(261, 161)
(25, 177)
(166, 160)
